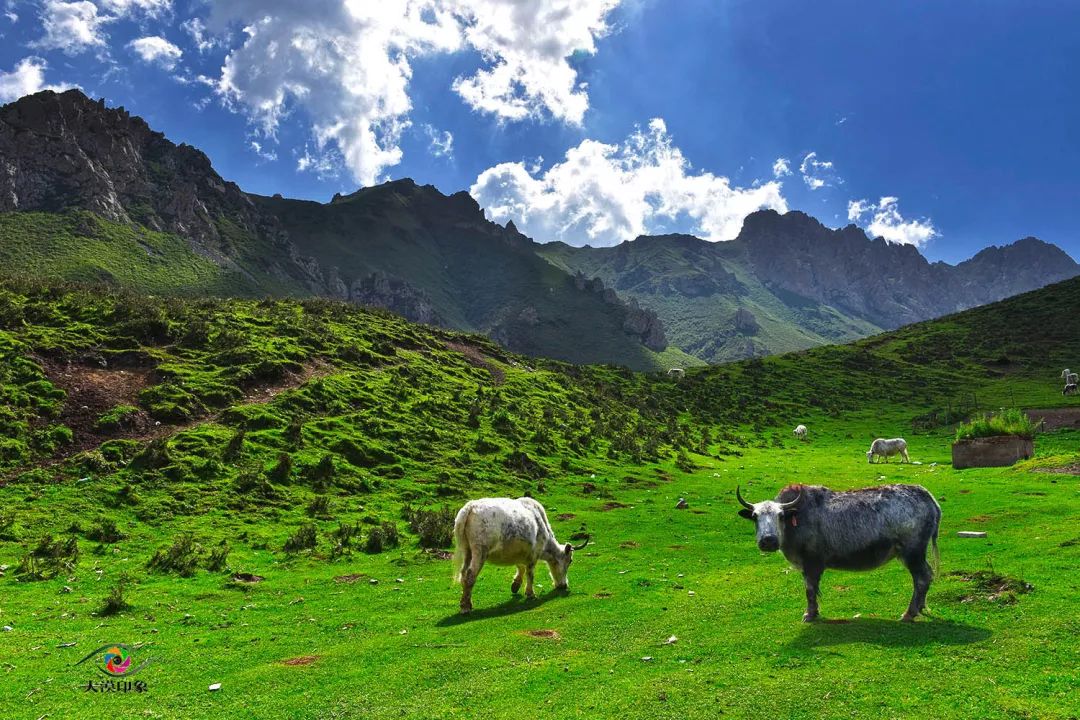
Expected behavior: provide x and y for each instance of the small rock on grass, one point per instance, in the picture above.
(682, 504)
(214, 687)
(671, 640)
(971, 534)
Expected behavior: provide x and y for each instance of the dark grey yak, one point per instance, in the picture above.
(817, 528)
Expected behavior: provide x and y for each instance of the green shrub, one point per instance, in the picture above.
(435, 528)
(382, 537)
(105, 531)
(305, 538)
(118, 418)
(1006, 422)
(116, 600)
(181, 558)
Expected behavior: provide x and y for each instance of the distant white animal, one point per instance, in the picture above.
(1072, 379)
(800, 432)
(1070, 389)
(505, 531)
(1065, 373)
(676, 372)
(887, 448)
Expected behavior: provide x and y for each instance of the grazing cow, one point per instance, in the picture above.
(887, 448)
(800, 432)
(817, 528)
(504, 531)
(1070, 389)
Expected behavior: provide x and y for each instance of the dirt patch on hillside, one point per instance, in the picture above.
(1073, 469)
(545, 634)
(94, 388)
(629, 545)
(302, 660)
(989, 586)
(1056, 418)
(247, 578)
(349, 579)
(478, 359)
(565, 516)
(612, 505)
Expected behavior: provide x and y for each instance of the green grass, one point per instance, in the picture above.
(294, 432)
(1006, 422)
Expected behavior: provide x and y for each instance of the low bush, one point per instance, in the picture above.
(1006, 422)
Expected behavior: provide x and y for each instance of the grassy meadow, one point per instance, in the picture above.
(202, 481)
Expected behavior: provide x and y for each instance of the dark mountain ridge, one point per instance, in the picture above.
(787, 282)
(431, 257)
(802, 282)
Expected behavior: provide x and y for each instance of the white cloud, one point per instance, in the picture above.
(603, 194)
(347, 64)
(781, 167)
(27, 78)
(440, 143)
(126, 8)
(818, 173)
(203, 40)
(78, 26)
(72, 27)
(156, 50)
(528, 44)
(266, 155)
(886, 221)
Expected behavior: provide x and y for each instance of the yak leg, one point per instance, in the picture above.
(921, 575)
(518, 577)
(812, 577)
(904, 455)
(474, 562)
(530, 571)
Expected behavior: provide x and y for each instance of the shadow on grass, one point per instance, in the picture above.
(515, 604)
(887, 633)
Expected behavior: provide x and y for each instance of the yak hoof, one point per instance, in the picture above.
(907, 617)
(809, 617)
(466, 609)
(514, 587)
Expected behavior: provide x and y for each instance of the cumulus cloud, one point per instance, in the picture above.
(883, 219)
(528, 44)
(78, 26)
(71, 27)
(27, 77)
(440, 142)
(781, 167)
(818, 173)
(603, 194)
(156, 50)
(348, 64)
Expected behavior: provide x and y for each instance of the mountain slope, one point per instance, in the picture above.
(66, 160)
(788, 282)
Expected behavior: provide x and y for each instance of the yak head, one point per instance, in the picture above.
(769, 517)
(559, 563)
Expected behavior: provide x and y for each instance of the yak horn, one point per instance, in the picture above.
(582, 545)
(792, 503)
(739, 497)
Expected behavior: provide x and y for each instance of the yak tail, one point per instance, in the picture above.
(936, 567)
(461, 543)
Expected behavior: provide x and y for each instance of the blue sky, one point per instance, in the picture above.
(949, 125)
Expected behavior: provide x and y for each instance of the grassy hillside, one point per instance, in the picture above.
(83, 247)
(283, 530)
